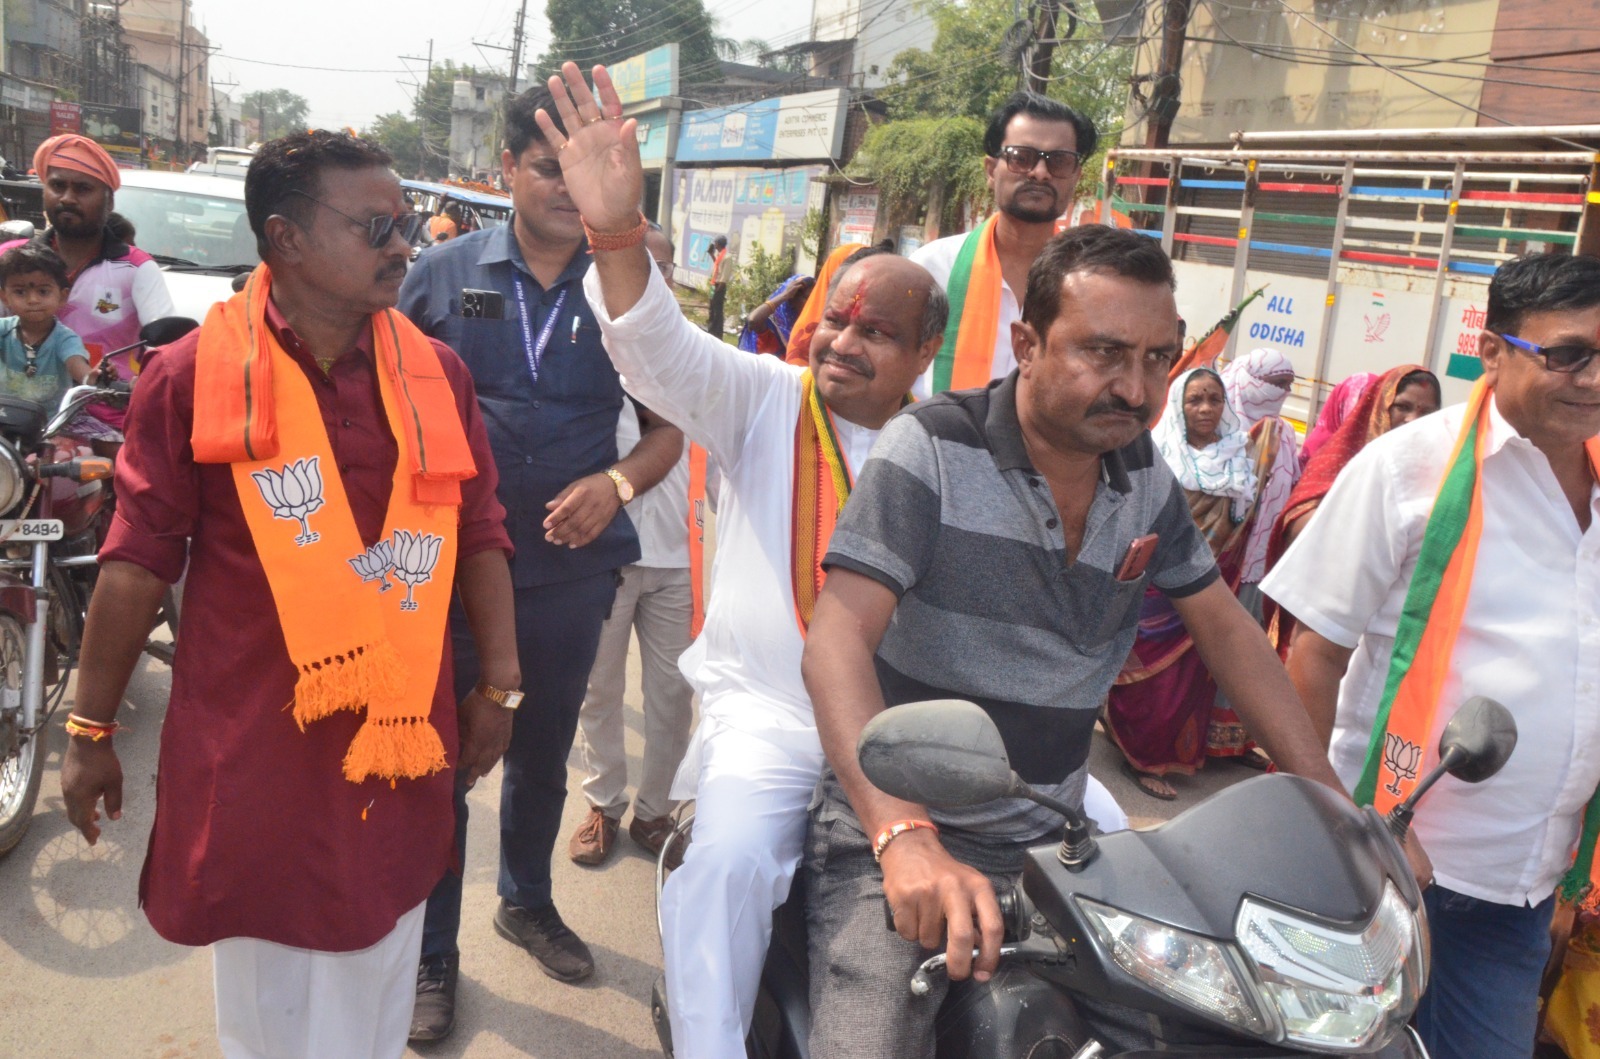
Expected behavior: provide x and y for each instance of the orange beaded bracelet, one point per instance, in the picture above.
(894, 831)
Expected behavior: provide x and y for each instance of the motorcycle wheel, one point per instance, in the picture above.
(23, 768)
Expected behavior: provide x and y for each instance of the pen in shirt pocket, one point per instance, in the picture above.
(574, 339)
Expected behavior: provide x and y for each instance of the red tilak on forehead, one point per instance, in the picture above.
(858, 300)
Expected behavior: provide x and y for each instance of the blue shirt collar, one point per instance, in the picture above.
(501, 247)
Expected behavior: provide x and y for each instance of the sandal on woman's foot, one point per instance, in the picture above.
(1256, 758)
(1150, 783)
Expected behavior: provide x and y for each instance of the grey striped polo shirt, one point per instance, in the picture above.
(950, 514)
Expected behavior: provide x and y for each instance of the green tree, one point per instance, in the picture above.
(279, 110)
(400, 136)
(607, 31)
(934, 165)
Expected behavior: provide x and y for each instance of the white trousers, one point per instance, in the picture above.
(279, 1002)
(655, 601)
(716, 911)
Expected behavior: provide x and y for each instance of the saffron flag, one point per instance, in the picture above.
(1210, 345)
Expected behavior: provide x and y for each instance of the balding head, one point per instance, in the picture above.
(883, 322)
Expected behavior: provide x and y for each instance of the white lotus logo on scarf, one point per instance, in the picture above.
(1401, 757)
(294, 493)
(374, 564)
(415, 555)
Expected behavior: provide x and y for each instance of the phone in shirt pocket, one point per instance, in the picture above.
(482, 304)
(1137, 557)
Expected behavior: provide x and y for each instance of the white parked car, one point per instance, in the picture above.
(196, 229)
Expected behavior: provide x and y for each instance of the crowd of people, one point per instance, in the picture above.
(428, 503)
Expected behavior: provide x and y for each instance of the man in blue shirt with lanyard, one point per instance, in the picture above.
(509, 301)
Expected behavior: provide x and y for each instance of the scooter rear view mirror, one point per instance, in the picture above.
(1478, 740)
(945, 753)
(166, 330)
(1476, 743)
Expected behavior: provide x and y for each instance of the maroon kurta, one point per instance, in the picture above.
(257, 832)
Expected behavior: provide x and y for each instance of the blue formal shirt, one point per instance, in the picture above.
(546, 435)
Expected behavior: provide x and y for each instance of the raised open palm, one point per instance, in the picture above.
(599, 156)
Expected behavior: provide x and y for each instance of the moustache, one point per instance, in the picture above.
(1117, 406)
(397, 270)
(860, 365)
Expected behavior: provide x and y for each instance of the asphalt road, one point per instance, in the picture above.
(83, 975)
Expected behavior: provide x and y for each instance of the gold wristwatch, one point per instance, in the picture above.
(509, 699)
(624, 487)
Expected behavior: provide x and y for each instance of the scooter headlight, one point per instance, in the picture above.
(1185, 967)
(13, 480)
(1335, 990)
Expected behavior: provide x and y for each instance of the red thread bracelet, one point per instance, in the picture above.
(616, 240)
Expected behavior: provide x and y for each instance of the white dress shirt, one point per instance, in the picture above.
(661, 514)
(939, 257)
(742, 408)
(1530, 638)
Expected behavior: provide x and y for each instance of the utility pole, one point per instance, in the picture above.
(516, 47)
(422, 96)
(183, 54)
(1036, 69)
(1165, 85)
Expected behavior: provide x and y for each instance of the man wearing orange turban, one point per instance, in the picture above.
(116, 288)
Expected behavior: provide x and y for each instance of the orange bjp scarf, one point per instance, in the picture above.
(354, 646)
(1435, 604)
(966, 360)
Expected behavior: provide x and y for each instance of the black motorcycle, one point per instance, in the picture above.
(1274, 920)
(55, 509)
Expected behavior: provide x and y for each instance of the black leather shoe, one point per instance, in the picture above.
(435, 1014)
(560, 953)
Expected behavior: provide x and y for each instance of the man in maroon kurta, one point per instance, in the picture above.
(258, 833)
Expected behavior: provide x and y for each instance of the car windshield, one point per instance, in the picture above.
(206, 230)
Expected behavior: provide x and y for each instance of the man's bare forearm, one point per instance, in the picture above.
(122, 611)
(1237, 653)
(1316, 667)
(843, 684)
(484, 580)
(624, 275)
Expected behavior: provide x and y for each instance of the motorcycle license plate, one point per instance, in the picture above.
(31, 529)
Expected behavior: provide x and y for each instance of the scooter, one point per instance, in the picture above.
(55, 509)
(1307, 938)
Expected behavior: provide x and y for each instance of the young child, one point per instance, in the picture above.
(42, 356)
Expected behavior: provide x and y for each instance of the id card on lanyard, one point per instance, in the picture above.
(533, 347)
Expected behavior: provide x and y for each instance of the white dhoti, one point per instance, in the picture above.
(716, 912)
(279, 1002)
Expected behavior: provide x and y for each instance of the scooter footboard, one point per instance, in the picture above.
(1014, 1015)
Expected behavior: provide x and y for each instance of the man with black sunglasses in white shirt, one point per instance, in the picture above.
(1035, 147)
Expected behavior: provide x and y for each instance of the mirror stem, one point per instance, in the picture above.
(1077, 844)
(1399, 818)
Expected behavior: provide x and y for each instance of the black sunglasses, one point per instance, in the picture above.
(1568, 360)
(1021, 160)
(380, 228)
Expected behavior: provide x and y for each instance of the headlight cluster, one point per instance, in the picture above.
(1334, 989)
(1295, 981)
(13, 481)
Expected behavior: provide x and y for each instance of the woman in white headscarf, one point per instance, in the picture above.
(1258, 383)
(1159, 710)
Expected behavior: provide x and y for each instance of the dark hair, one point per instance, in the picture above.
(720, 241)
(1422, 377)
(1540, 283)
(1197, 374)
(521, 128)
(1084, 137)
(120, 227)
(1090, 248)
(29, 258)
(286, 170)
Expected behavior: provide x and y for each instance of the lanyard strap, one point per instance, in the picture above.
(534, 349)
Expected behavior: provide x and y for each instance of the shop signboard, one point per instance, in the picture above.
(648, 76)
(805, 126)
(65, 117)
(750, 206)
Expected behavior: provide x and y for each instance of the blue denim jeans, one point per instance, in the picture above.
(1483, 992)
(558, 632)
